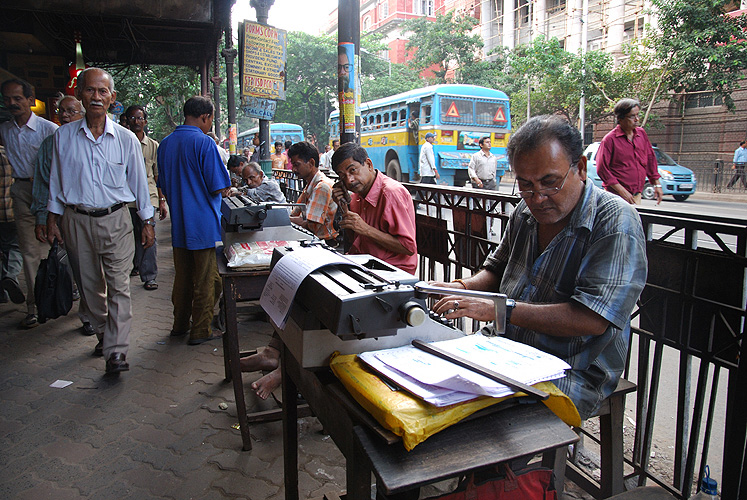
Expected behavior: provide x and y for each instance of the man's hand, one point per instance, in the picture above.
(53, 231)
(353, 221)
(148, 236)
(624, 193)
(437, 174)
(41, 232)
(341, 196)
(457, 306)
(163, 210)
(477, 182)
(659, 194)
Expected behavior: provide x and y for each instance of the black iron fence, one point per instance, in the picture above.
(720, 178)
(693, 305)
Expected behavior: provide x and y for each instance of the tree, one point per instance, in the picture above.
(381, 84)
(698, 47)
(161, 90)
(555, 80)
(443, 44)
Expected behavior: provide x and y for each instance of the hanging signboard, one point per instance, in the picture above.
(257, 107)
(262, 61)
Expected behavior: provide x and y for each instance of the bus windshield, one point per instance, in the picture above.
(478, 112)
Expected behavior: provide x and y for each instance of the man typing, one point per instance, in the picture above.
(574, 259)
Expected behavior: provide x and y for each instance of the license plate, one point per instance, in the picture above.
(685, 187)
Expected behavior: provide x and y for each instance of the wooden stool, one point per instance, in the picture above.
(610, 441)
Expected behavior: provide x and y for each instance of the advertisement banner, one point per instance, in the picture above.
(257, 107)
(346, 84)
(263, 55)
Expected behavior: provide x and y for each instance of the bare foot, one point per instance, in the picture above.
(264, 386)
(266, 360)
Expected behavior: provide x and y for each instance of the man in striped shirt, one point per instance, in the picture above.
(572, 256)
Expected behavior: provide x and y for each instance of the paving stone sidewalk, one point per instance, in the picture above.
(154, 432)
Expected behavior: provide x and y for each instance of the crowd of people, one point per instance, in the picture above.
(573, 256)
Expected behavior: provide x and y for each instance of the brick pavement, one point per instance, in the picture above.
(154, 432)
(157, 430)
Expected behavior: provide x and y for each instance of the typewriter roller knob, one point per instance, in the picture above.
(412, 313)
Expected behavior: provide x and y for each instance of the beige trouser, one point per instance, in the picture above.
(33, 250)
(100, 250)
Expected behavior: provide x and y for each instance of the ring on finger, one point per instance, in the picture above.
(456, 305)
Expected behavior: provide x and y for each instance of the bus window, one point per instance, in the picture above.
(394, 118)
(386, 121)
(378, 121)
(455, 110)
(402, 117)
(491, 113)
(426, 114)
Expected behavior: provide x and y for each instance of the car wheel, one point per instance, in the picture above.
(681, 197)
(648, 193)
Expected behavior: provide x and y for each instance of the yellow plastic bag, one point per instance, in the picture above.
(414, 419)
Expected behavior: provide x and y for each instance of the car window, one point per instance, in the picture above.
(663, 159)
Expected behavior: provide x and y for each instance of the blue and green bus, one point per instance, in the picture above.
(278, 132)
(394, 128)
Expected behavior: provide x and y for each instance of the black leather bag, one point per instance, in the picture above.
(53, 290)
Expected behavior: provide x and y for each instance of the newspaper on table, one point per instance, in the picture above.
(442, 383)
(253, 255)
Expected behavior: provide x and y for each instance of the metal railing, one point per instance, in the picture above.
(720, 178)
(693, 303)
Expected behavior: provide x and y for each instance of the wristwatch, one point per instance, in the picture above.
(150, 222)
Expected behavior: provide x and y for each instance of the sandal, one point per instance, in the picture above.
(151, 285)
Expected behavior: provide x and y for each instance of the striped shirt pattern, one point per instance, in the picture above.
(597, 260)
(320, 208)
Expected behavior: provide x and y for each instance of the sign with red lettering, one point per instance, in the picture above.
(452, 112)
(263, 55)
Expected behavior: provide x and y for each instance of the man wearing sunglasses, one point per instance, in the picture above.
(573, 257)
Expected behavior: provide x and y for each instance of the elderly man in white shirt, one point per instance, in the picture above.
(22, 137)
(103, 171)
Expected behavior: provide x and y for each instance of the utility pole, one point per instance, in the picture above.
(584, 43)
(217, 80)
(348, 69)
(230, 54)
(262, 7)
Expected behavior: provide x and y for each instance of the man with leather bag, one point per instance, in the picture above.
(53, 289)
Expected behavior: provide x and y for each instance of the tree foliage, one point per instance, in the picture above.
(442, 44)
(553, 80)
(161, 90)
(698, 47)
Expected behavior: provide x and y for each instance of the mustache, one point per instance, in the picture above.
(14, 107)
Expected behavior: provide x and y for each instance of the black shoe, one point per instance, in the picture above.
(99, 349)
(30, 321)
(14, 290)
(134, 272)
(174, 333)
(202, 340)
(116, 363)
(87, 329)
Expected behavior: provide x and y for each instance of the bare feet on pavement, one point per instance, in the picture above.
(264, 386)
(266, 360)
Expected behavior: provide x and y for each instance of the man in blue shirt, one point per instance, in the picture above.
(740, 162)
(574, 259)
(192, 178)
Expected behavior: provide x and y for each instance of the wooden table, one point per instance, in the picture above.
(240, 286)
(237, 286)
(516, 432)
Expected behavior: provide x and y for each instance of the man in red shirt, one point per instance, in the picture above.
(626, 158)
(380, 213)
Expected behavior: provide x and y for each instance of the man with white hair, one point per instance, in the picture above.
(258, 187)
(97, 168)
(69, 109)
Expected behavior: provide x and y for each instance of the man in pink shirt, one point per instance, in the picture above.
(626, 158)
(380, 212)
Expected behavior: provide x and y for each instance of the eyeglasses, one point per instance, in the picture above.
(549, 191)
(346, 67)
(136, 119)
(69, 111)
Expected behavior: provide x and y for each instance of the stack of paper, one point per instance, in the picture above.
(442, 383)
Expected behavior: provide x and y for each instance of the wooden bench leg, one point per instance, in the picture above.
(611, 434)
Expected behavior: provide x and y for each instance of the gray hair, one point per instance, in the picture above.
(83, 74)
(625, 106)
(541, 129)
(61, 98)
